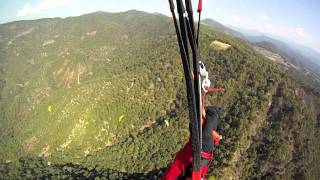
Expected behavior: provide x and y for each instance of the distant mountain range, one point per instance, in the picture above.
(255, 36)
(306, 59)
(306, 51)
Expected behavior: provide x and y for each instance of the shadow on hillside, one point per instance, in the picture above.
(79, 172)
(38, 168)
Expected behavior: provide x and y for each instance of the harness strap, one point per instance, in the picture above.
(206, 155)
(193, 125)
(196, 68)
(214, 89)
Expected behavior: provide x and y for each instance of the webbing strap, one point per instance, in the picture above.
(183, 40)
(206, 155)
(214, 89)
(183, 27)
(197, 85)
(199, 19)
(194, 122)
(196, 59)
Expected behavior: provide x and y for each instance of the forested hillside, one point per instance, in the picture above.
(102, 96)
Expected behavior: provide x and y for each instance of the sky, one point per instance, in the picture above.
(294, 20)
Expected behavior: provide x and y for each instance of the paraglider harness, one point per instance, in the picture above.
(186, 36)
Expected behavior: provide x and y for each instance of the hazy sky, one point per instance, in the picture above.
(296, 20)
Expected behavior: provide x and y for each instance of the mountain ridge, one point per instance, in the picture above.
(221, 28)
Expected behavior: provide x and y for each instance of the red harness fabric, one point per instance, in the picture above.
(214, 89)
(182, 161)
(206, 155)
